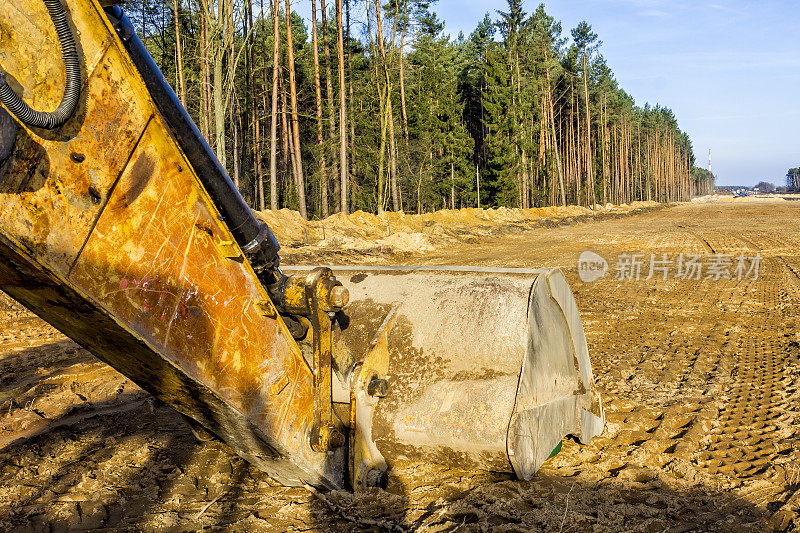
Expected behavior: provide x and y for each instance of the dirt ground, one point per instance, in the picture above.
(699, 380)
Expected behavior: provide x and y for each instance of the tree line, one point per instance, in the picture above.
(375, 107)
(793, 179)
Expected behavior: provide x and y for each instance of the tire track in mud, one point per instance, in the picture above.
(754, 437)
(715, 401)
(667, 381)
(699, 378)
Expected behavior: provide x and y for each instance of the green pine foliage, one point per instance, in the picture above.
(793, 179)
(496, 118)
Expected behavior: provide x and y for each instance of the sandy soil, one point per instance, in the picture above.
(699, 378)
(401, 233)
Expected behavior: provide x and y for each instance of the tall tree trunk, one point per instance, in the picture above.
(650, 174)
(181, 86)
(382, 111)
(259, 163)
(604, 144)
(291, 162)
(388, 115)
(288, 162)
(452, 185)
(545, 147)
(229, 91)
(351, 122)
(526, 179)
(628, 174)
(589, 173)
(233, 118)
(555, 138)
(402, 76)
(639, 165)
(221, 46)
(331, 111)
(273, 160)
(574, 135)
(520, 125)
(639, 126)
(250, 113)
(320, 129)
(257, 128)
(205, 109)
(299, 181)
(477, 185)
(614, 160)
(246, 122)
(342, 111)
(392, 158)
(219, 109)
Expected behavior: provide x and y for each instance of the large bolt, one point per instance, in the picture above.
(376, 478)
(377, 387)
(335, 439)
(339, 296)
(326, 438)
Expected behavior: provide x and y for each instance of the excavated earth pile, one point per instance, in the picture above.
(699, 379)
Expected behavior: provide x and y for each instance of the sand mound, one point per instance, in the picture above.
(727, 198)
(411, 233)
(407, 242)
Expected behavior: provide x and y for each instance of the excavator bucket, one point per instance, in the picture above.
(119, 227)
(473, 367)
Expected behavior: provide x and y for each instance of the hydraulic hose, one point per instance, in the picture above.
(255, 238)
(72, 88)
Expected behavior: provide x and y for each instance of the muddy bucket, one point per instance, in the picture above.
(483, 368)
(124, 232)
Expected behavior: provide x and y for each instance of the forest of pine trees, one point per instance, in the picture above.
(793, 179)
(375, 107)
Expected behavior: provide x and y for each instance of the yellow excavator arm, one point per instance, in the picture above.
(119, 227)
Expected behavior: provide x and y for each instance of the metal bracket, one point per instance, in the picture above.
(316, 296)
(368, 466)
(230, 249)
(319, 286)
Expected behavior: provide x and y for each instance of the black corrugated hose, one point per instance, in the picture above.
(72, 89)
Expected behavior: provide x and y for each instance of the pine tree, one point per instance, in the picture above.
(534, 121)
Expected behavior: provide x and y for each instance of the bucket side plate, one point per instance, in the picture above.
(556, 395)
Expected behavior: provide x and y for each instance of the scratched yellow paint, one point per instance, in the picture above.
(58, 182)
(148, 253)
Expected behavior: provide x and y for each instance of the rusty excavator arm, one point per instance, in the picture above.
(119, 226)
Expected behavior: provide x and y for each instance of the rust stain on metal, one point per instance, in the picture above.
(152, 267)
(140, 174)
(130, 236)
(266, 308)
(53, 210)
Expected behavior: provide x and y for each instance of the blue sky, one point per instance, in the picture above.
(730, 70)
